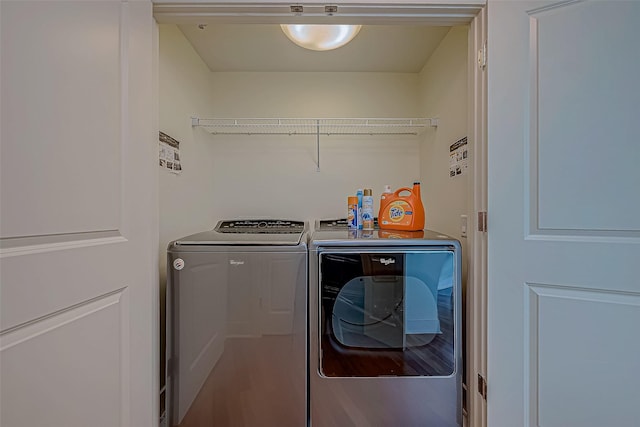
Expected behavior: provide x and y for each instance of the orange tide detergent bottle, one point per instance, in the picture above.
(402, 212)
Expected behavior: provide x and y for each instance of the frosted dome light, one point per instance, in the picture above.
(320, 37)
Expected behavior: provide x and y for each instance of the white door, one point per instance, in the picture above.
(78, 314)
(564, 214)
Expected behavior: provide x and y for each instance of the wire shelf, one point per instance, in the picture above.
(337, 126)
(317, 127)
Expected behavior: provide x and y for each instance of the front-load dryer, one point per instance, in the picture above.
(384, 328)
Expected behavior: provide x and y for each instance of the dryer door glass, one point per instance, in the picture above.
(387, 314)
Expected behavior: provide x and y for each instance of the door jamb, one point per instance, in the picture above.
(476, 322)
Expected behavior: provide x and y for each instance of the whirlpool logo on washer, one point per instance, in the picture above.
(387, 261)
(234, 262)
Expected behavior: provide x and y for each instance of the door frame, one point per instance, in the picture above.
(447, 12)
(416, 12)
(476, 321)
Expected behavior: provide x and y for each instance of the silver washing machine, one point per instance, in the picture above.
(385, 329)
(237, 309)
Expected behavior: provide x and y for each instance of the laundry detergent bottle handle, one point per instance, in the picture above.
(385, 198)
(403, 212)
(419, 214)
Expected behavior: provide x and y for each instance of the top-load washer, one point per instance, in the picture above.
(237, 319)
(385, 342)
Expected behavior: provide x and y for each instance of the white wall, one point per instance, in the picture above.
(443, 89)
(276, 176)
(184, 88)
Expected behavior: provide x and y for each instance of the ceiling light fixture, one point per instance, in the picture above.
(320, 37)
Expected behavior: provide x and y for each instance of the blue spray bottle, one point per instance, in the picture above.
(359, 194)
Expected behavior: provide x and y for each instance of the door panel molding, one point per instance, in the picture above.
(561, 201)
(565, 354)
(39, 244)
(36, 327)
(58, 121)
(38, 355)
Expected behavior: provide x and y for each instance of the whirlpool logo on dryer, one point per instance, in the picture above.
(234, 262)
(387, 261)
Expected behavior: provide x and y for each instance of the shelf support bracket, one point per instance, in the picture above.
(195, 121)
(317, 145)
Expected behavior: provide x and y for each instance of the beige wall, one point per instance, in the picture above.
(276, 176)
(184, 90)
(443, 93)
(311, 94)
(443, 89)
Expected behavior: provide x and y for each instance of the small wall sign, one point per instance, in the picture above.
(169, 154)
(458, 158)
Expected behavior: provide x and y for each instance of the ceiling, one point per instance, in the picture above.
(264, 47)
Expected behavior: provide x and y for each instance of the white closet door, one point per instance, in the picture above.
(78, 299)
(564, 214)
